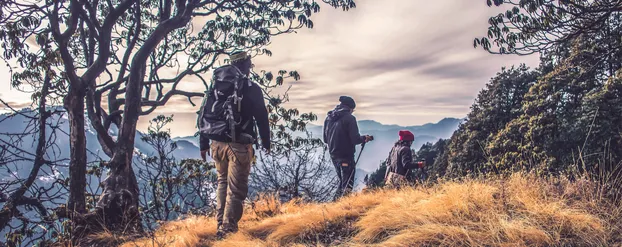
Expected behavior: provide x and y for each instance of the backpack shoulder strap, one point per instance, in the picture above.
(202, 108)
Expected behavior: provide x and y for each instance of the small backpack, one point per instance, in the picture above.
(222, 104)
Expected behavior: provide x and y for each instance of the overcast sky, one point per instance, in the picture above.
(406, 62)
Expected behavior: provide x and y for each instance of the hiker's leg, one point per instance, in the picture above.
(337, 165)
(220, 157)
(239, 170)
(348, 178)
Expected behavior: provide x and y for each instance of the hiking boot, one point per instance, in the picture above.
(220, 232)
(223, 231)
(230, 228)
(220, 235)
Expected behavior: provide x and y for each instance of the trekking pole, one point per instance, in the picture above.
(371, 138)
(361, 152)
(351, 177)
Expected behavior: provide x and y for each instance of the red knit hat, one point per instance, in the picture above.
(406, 135)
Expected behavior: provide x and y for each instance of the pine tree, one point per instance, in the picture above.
(495, 106)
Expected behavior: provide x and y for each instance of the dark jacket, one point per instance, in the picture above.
(341, 133)
(253, 112)
(400, 159)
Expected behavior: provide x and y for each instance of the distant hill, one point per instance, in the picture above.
(442, 129)
(191, 139)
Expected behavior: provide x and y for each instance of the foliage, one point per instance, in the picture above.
(497, 104)
(530, 26)
(376, 178)
(566, 114)
(556, 127)
(171, 188)
(430, 154)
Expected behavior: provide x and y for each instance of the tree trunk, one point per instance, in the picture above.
(117, 208)
(119, 200)
(118, 204)
(74, 104)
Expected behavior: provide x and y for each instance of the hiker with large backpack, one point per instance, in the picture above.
(341, 133)
(232, 106)
(400, 161)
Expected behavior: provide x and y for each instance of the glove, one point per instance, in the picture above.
(368, 138)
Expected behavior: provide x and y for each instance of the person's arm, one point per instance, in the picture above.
(204, 146)
(353, 131)
(203, 142)
(325, 131)
(407, 159)
(260, 113)
(388, 164)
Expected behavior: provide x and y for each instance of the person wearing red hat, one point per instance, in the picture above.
(400, 160)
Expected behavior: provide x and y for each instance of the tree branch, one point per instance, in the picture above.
(104, 41)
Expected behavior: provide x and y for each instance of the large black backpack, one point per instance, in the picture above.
(222, 104)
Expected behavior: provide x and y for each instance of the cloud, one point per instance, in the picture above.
(405, 62)
(14, 105)
(396, 58)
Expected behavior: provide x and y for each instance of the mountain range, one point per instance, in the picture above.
(374, 153)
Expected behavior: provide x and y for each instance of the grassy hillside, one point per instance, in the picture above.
(517, 211)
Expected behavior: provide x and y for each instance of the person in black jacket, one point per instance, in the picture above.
(233, 159)
(253, 113)
(341, 133)
(400, 160)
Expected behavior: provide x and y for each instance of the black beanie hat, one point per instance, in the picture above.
(345, 100)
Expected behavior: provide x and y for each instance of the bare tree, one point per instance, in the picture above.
(305, 172)
(26, 215)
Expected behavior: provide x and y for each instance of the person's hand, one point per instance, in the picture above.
(421, 164)
(204, 154)
(368, 138)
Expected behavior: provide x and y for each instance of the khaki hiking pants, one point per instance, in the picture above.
(233, 163)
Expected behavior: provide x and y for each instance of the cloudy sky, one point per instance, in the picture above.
(406, 62)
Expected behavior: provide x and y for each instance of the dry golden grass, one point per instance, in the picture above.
(519, 211)
(189, 232)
